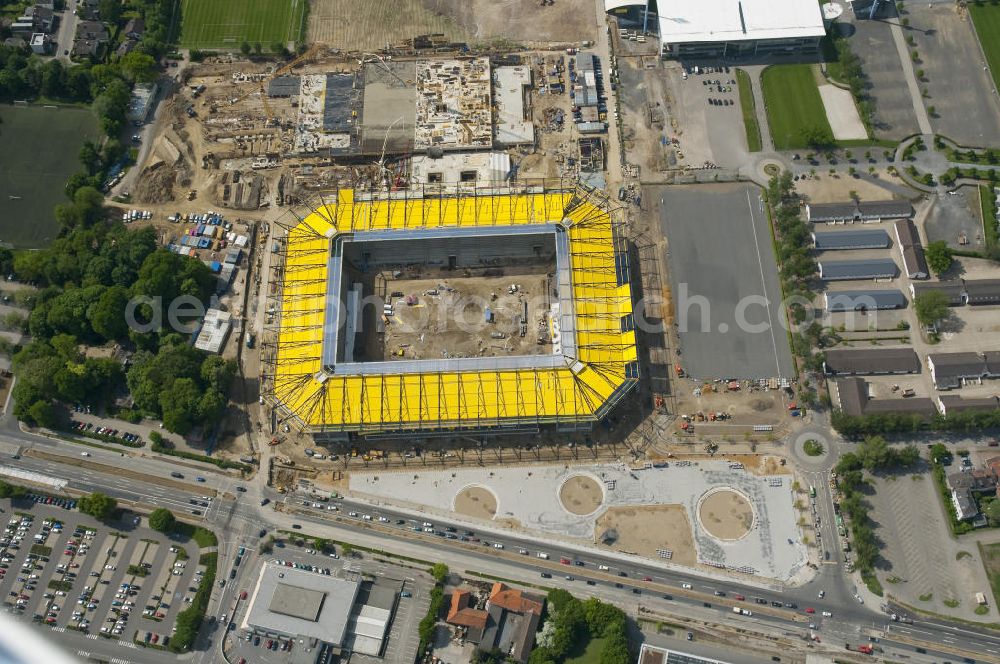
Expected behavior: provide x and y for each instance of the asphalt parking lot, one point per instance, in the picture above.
(67, 571)
(960, 90)
(722, 270)
(894, 115)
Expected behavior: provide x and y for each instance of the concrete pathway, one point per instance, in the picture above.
(923, 121)
(767, 144)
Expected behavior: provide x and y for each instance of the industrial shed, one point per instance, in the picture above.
(870, 211)
(954, 290)
(952, 370)
(914, 263)
(874, 238)
(870, 361)
(983, 291)
(875, 268)
(949, 404)
(864, 300)
(856, 401)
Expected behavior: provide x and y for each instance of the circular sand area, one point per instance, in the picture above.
(581, 495)
(476, 501)
(726, 514)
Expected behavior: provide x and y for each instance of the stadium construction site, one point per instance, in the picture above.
(439, 311)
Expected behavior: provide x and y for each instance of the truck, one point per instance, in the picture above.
(742, 612)
(865, 648)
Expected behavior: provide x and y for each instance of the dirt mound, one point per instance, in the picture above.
(726, 515)
(476, 501)
(155, 184)
(581, 495)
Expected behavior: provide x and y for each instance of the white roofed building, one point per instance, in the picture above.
(738, 28)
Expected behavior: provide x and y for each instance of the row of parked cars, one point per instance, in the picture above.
(305, 567)
(65, 503)
(105, 431)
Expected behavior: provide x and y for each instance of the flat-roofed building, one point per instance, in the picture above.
(873, 268)
(871, 361)
(864, 300)
(513, 124)
(735, 29)
(874, 238)
(214, 331)
(952, 370)
(866, 211)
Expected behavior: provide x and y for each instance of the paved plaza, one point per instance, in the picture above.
(529, 498)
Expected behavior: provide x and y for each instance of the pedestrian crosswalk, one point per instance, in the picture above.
(92, 636)
(126, 644)
(58, 629)
(83, 653)
(119, 660)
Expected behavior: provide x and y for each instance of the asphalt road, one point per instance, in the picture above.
(238, 517)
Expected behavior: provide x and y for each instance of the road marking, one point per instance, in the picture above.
(763, 284)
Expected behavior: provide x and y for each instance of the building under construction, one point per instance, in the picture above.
(426, 312)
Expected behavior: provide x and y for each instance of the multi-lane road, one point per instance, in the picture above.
(238, 518)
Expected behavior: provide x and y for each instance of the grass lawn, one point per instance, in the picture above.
(986, 18)
(39, 147)
(227, 24)
(990, 554)
(989, 215)
(590, 655)
(794, 107)
(749, 111)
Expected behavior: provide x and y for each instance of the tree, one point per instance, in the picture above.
(908, 456)
(931, 307)
(874, 453)
(245, 48)
(138, 67)
(322, 544)
(8, 490)
(98, 505)
(939, 256)
(440, 572)
(162, 520)
(816, 136)
(940, 454)
(257, 48)
(42, 413)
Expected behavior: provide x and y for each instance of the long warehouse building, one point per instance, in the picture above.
(317, 383)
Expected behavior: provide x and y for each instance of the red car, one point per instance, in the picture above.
(156, 637)
(564, 561)
(739, 597)
(810, 610)
(243, 595)
(647, 578)
(269, 643)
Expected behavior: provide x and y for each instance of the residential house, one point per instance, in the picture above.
(964, 486)
(508, 620)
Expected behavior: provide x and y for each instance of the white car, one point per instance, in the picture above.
(822, 594)
(827, 614)
(498, 545)
(686, 586)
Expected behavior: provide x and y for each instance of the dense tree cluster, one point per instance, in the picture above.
(98, 505)
(872, 455)
(798, 267)
(854, 76)
(856, 426)
(571, 624)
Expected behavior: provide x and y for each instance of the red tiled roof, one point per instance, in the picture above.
(461, 614)
(513, 600)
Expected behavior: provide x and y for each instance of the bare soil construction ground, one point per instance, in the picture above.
(359, 25)
(477, 502)
(581, 495)
(644, 530)
(726, 515)
(520, 20)
(451, 323)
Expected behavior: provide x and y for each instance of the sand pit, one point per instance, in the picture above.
(726, 515)
(644, 530)
(477, 502)
(581, 495)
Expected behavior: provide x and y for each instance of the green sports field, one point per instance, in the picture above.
(228, 23)
(986, 18)
(795, 111)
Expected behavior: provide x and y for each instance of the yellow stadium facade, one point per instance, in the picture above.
(572, 389)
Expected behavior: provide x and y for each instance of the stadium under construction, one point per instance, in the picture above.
(476, 310)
